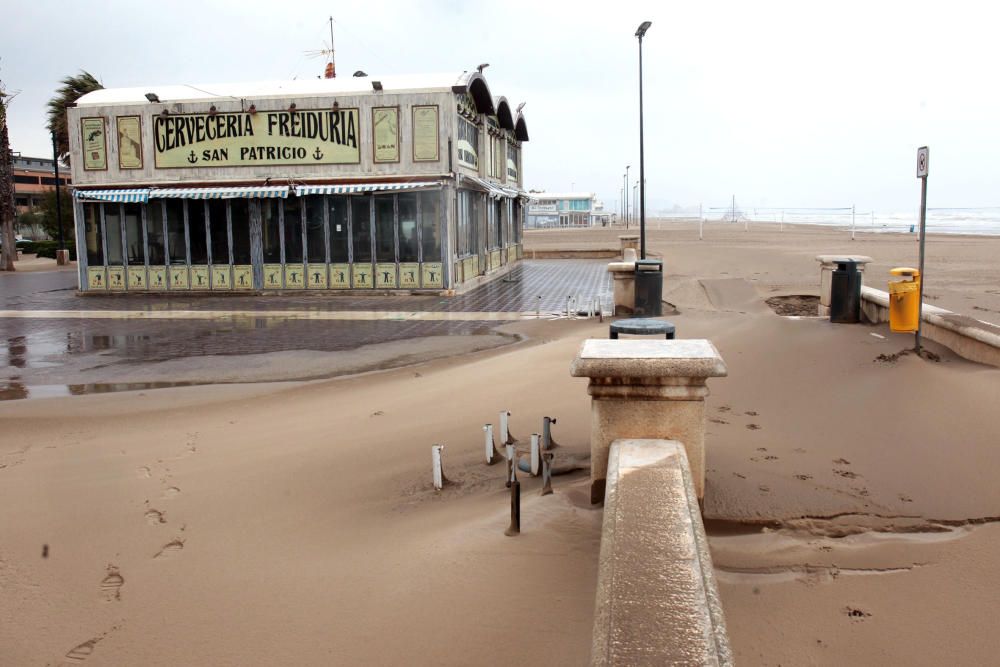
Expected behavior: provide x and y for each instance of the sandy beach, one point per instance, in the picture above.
(851, 502)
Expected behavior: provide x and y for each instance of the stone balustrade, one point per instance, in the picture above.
(657, 601)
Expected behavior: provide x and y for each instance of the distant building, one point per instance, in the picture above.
(566, 209)
(33, 177)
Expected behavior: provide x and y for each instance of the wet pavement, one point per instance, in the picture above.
(43, 323)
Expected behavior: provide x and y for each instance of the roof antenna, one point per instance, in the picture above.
(331, 67)
(481, 67)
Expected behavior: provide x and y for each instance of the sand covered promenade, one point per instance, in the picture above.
(851, 502)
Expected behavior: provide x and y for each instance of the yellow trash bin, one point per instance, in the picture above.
(904, 300)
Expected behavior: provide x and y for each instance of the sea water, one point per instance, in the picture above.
(983, 221)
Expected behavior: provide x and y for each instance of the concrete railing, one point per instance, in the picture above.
(657, 601)
(967, 337)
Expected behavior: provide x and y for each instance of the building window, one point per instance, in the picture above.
(92, 234)
(430, 226)
(340, 235)
(239, 214)
(218, 227)
(154, 233)
(409, 250)
(113, 233)
(385, 233)
(176, 238)
(293, 230)
(361, 227)
(270, 223)
(197, 231)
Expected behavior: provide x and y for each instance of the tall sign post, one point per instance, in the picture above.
(923, 158)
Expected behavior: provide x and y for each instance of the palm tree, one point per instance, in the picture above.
(8, 251)
(73, 88)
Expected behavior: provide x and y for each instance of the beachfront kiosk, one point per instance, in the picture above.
(366, 183)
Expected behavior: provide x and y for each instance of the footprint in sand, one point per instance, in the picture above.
(753, 427)
(83, 651)
(770, 457)
(762, 449)
(857, 614)
(750, 413)
(155, 517)
(716, 420)
(804, 478)
(170, 548)
(111, 585)
(723, 408)
(846, 474)
(764, 488)
(736, 474)
(170, 492)
(799, 450)
(143, 472)
(843, 462)
(905, 498)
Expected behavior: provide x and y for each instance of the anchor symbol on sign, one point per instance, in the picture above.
(318, 154)
(192, 158)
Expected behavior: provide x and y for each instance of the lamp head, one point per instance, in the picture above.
(643, 27)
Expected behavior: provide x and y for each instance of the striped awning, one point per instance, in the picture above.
(261, 192)
(133, 196)
(357, 188)
(492, 190)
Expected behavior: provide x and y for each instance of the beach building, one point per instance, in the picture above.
(563, 209)
(33, 177)
(366, 183)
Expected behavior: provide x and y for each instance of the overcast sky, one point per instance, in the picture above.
(781, 104)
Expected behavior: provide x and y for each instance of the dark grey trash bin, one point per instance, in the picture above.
(845, 293)
(648, 288)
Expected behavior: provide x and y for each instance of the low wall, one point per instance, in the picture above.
(657, 601)
(584, 253)
(967, 337)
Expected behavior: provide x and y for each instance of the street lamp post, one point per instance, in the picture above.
(55, 164)
(640, 33)
(627, 167)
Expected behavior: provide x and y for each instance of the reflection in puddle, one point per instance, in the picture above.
(14, 390)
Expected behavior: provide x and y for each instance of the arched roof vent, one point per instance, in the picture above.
(475, 84)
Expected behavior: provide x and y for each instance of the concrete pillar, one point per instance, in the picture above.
(827, 264)
(629, 241)
(651, 389)
(623, 286)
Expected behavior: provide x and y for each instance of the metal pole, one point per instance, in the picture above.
(55, 162)
(852, 222)
(923, 230)
(642, 165)
(701, 223)
(627, 212)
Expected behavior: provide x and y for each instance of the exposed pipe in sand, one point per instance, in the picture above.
(547, 473)
(437, 470)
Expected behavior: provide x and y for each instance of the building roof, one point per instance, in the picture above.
(282, 89)
(562, 195)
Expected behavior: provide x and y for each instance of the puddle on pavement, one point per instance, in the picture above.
(13, 390)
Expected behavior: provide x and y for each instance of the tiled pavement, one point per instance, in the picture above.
(253, 324)
(518, 291)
